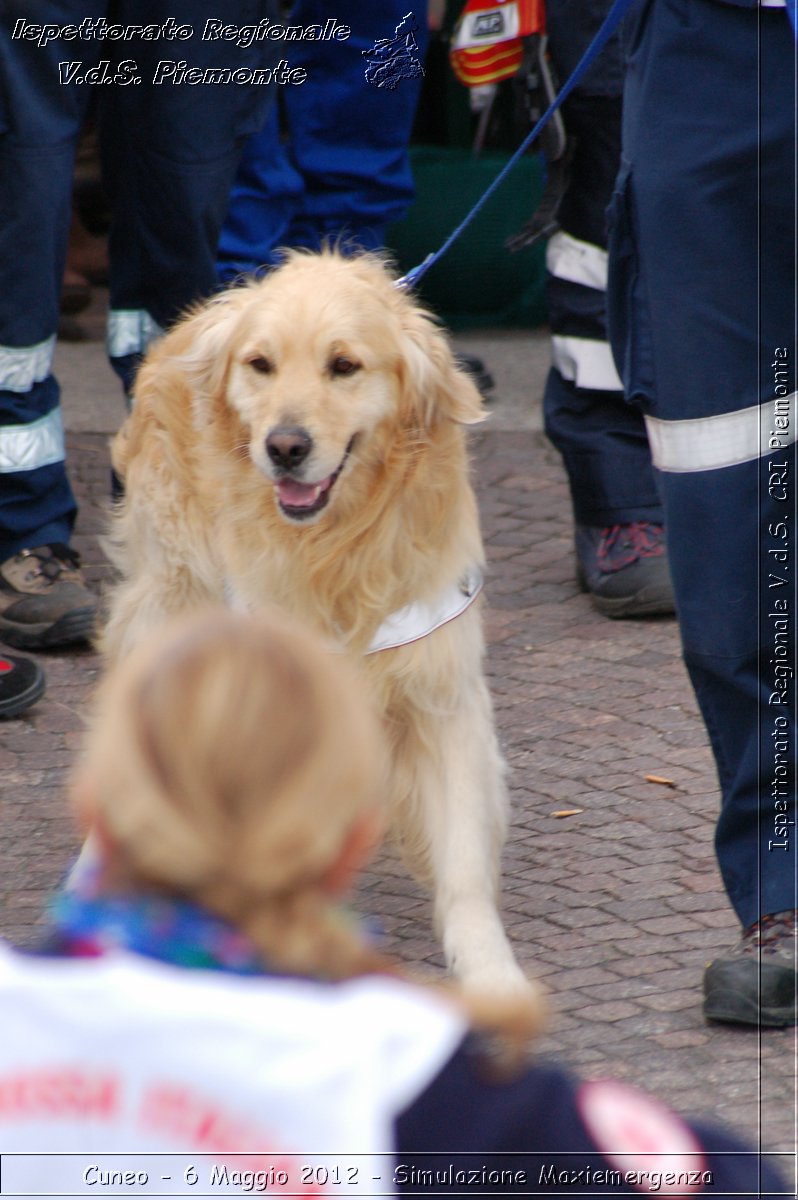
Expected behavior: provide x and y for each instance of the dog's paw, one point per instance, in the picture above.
(504, 979)
(508, 1008)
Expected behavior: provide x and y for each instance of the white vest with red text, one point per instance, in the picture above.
(130, 1059)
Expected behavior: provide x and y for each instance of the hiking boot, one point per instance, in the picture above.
(625, 569)
(756, 983)
(43, 599)
(21, 684)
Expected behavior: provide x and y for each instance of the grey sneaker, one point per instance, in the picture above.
(757, 981)
(43, 599)
(625, 569)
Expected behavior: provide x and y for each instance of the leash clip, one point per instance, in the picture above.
(408, 281)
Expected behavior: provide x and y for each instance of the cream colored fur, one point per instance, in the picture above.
(201, 522)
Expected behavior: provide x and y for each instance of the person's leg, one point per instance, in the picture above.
(42, 599)
(703, 323)
(170, 152)
(343, 173)
(602, 439)
(351, 136)
(266, 194)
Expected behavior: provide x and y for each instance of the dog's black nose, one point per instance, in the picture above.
(288, 445)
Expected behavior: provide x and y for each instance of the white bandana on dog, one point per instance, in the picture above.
(416, 621)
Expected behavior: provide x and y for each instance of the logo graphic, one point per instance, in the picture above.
(488, 25)
(391, 60)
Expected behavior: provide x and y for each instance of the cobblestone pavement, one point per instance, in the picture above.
(616, 907)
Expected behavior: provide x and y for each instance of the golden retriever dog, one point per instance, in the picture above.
(299, 441)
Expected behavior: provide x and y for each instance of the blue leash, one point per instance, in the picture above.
(619, 10)
(611, 22)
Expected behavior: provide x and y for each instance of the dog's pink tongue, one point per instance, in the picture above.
(299, 495)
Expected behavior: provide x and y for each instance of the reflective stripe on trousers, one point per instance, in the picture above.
(130, 331)
(23, 366)
(725, 440)
(584, 361)
(28, 447)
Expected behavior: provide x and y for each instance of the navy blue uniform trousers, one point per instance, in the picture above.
(703, 323)
(601, 438)
(169, 154)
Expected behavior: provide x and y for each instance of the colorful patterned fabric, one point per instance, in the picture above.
(88, 924)
(487, 43)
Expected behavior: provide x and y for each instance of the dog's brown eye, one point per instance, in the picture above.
(263, 366)
(343, 366)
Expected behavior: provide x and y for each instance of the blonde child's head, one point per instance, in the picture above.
(235, 761)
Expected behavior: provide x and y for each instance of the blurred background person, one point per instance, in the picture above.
(332, 163)
(619, 538)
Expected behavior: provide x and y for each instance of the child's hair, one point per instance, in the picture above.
(228, 762)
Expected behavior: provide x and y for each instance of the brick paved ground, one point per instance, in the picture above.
(616, 907)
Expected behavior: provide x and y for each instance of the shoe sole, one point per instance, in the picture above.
(36, 690)
(648, 602)
(76, 626)
(736, 1009)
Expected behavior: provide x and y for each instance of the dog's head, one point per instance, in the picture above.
(325, 364)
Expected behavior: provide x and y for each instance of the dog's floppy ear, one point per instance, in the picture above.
(433, 384)
(207, 334)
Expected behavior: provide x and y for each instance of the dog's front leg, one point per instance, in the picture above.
(464, 810)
